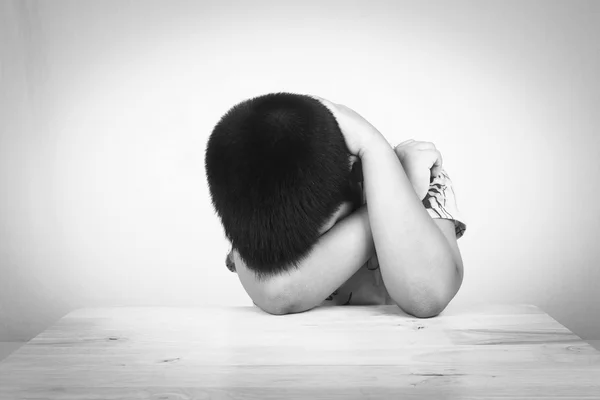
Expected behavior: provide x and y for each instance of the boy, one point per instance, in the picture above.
(287, 174)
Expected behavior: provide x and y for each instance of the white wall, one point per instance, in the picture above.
(106, 107)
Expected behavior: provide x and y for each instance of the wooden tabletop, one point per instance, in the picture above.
(346, 352)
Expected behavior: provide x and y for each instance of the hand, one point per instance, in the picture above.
(357, 131)
(421, 162)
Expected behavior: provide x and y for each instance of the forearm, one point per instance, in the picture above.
(415, 258)
(338, 254)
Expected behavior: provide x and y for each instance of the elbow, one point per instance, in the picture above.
(275, 304)
(427, 299)
(275, 309)
(278, 300)
(279, 297)
(423, 306)
(283, 305)
(425, 311)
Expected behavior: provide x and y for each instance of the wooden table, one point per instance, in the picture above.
(484, 352)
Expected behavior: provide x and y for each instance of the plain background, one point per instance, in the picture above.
(106, 106)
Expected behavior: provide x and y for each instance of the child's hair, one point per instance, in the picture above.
(278, 168)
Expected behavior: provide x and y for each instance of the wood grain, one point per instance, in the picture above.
(484, 352)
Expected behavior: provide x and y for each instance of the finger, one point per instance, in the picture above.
(437, 165)
(405, 142)
(322, 100)
(398, 150)
(425, 146)
(325, 102)
(398, 147)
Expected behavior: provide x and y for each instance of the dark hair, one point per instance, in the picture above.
(278, 168)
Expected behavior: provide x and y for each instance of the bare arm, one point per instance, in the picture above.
(335, 258)
(416, 259)
(338, 254)
(418, 262)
